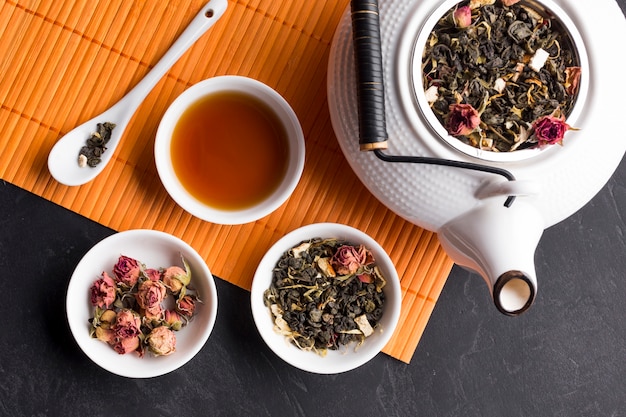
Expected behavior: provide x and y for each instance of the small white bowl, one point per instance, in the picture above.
(336, 361)
(155, 249)
(254, 88)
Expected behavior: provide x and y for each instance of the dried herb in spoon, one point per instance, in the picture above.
(325, 294)
(91, 153)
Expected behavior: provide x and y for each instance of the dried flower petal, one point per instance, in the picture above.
(463, 119)
(462, 17)
(572, 79)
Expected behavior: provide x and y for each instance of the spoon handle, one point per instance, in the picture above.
(205, 18)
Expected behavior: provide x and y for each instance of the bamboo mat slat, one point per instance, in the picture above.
(62, 62)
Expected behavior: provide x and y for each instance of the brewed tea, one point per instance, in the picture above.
(230, 150)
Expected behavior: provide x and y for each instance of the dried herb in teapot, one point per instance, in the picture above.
(325, 294)
(500, 76)
(91, 153)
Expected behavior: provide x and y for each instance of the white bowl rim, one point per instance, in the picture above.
(79, 311)
(335, 361)
(244, 85)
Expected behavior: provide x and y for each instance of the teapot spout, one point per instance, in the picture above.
(499, 243)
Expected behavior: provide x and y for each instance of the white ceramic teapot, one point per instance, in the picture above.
(488, 209)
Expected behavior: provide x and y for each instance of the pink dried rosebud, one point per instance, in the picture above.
(509, 2)
(550, 129)
(161, 341)
(186, 306)
(348, 259)
(152, 274)
(127, 324)
(173, 320)
(127, 331)
(103, 291)
(149, 296)
(365, 278)
(128, 344)
(462, 17)
(127, 271)
(463, 119)
(175, 278)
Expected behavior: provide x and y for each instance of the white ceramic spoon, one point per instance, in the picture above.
(63, 158)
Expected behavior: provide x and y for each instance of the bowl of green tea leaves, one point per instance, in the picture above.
(326, 298)
(501, 77)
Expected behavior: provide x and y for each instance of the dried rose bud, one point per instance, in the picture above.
(462, 17)
(186, 306)
(173, 320)
(348, 259)
(127, 331)
(152, 274)
(149, 296)
(127, 324)
(175, 278)
(365, 278)
(550, 129)
(463, 119)
(128, 344)
(161, 341)
(509, 2)
(127, 271)
(103, 291)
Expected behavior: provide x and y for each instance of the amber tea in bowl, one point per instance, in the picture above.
(230, 150)
(501, 80)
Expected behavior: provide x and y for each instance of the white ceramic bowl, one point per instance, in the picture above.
(263, 93)
(336, 361)
(155, 249)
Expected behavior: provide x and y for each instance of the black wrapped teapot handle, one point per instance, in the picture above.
(369, 74)
(371, 94)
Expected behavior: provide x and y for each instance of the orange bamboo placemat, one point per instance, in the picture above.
(62, 62)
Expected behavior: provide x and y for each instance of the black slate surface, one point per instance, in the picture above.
(564, 357)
